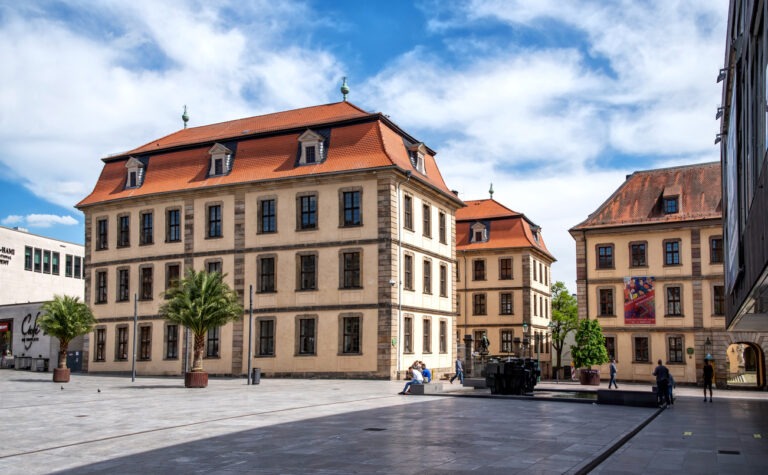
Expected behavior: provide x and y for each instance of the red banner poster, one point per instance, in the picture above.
(639, 301)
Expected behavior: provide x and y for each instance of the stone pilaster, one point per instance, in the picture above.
(239, 281)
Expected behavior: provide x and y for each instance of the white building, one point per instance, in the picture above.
(32, 270)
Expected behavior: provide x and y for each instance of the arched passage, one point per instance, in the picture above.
(746, 365)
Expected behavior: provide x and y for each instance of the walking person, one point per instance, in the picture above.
(662, 384)
(613, 375)
(709, 374)
(459, 372)
(671, 386)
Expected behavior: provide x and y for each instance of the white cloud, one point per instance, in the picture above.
(12, 220)
(72, 95)
(39, 220)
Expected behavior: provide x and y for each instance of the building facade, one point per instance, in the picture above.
(338, 220)
(32, 270)
(743, 142)
(503, 281)
(650, 269)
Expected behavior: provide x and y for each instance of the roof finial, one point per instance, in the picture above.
(185, 116)
(344, 89)
(490, 191)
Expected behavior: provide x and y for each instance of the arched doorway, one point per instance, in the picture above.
(746, 366)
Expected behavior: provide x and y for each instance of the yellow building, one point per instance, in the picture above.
(503, 282)
(650, 269)
(330, 213)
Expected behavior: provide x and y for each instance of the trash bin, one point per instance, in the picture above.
(255, 375)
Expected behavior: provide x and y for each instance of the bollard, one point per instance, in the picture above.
(255, 375)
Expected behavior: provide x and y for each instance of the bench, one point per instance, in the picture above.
(627, 398)
(425, 389)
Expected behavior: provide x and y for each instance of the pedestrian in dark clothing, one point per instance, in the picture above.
(613, 375)
(459, 372)
(709, 374)
(662, 385)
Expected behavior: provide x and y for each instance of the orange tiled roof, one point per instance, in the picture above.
(484, 209)
(639, 199)
(369, 143)
(305, 117)
(506, 228)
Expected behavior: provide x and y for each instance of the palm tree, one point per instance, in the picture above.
(65, 318)
(201, 301)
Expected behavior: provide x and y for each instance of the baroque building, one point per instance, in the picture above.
(743, 139)
(650, 269)
(503, 282)
(334, 222)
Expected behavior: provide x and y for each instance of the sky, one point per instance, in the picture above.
(552, 101)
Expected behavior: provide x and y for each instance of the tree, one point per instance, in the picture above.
(66, 318)
(589, 349)
(565, 318)
(200, 302)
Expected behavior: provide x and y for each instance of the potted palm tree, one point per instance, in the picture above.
(200, 301)
(588, 351)
(65, 318)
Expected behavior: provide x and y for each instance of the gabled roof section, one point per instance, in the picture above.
(364, 142)
(305, 117)
(506, 228)
(639, 199)
(484, 209)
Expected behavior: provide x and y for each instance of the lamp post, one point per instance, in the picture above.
(537, 342)
(551, 327)
(525, 339)
(708, 349)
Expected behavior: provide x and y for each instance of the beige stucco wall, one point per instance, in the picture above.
(239, 254)
(697, 321)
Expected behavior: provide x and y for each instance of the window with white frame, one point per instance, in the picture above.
(221, 160)
(311, 148)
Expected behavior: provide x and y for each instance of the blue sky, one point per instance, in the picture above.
(554, 102)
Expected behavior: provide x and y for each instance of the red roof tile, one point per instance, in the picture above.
(305, 117)
(484, 209)
(506, 228)
(639, 199)
(369, 144)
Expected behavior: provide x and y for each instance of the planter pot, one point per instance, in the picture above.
(196, 380)
(589, 377)
(60, 375)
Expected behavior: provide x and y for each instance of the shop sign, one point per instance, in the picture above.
(6, 254)
(29, 330)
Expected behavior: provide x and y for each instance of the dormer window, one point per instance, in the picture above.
(670, 199)
(135, 176)
(221, 160)
(417, 153)
(535, 230)
(479, 233)
(671, 205)
(311, 148)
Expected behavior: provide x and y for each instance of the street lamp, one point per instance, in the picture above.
(525, 339)
(708, 349)
(552, 327)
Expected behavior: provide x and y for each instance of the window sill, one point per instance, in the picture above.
(100, 303)
(359, 353)
(606, 268)
(306, 290)
(302, 230)
(351, 288)
(266, 232)
(123, 246)
(263, 292)
(97, 250)
(176, 358)
(643, 266)
(214, 237)
(643, 362)
(354, 225)
(172, 242)
(263, 356)
(304, 355)
(607, 316)
(674, 316)
(146, 243)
